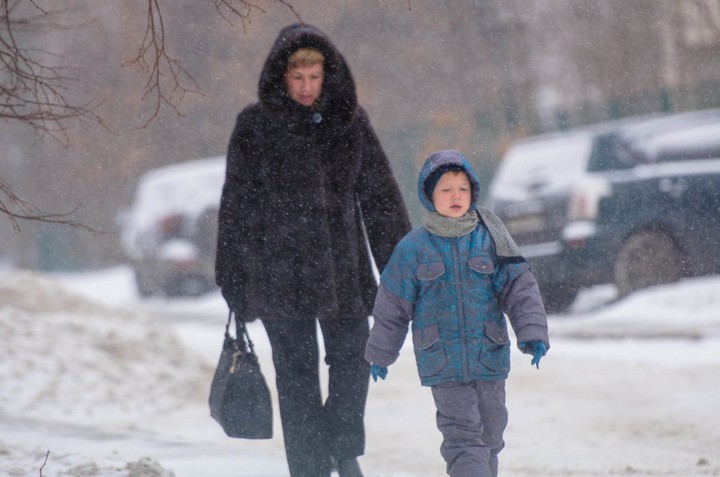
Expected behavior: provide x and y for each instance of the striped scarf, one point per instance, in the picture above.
(505, 246)
(451, 227)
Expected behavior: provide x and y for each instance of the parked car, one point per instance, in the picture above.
(633, 202)
(169, 235)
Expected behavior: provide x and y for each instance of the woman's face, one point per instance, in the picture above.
(304, 83)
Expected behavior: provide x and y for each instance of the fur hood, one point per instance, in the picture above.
(338, 100)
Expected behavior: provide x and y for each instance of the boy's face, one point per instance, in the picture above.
(452, 194)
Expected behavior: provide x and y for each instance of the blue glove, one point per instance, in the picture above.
(537, 348)
(378, 371)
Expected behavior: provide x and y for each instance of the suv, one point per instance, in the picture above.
(635, 202)
(169, 234)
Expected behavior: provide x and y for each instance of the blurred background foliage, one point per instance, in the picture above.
(468, 75)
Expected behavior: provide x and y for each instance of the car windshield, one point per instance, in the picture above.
(543, 166)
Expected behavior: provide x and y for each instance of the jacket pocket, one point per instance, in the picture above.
(430, 271)
(495, 353)
(482, 264)
(429, 351)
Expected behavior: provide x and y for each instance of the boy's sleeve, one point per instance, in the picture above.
(392, 312)
(520, 300)
(392, 316)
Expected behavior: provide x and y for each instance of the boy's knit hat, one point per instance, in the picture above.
(435, 166)
(435, 176)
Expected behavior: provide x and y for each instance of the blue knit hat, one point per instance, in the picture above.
(436, 165)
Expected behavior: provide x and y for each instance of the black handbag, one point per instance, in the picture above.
(239, 397)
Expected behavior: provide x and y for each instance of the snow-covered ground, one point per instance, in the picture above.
(96, 382)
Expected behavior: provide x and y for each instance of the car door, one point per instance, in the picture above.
(686, 170)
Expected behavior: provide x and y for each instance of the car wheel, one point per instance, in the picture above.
(558, 298)
(145, 287)
(646, 259)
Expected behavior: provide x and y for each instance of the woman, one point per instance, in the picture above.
(306, 183)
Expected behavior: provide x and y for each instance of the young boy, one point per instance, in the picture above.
(453, 279)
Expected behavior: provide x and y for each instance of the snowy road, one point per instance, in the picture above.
(630, 388)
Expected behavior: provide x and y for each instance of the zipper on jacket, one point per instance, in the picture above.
(455, 253)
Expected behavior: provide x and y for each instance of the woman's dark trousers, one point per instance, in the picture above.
(315, 431)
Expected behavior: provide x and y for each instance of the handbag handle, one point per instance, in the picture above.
(241, 331)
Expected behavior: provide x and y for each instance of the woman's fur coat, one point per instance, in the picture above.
(303, 187)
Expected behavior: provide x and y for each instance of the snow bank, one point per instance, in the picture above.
(14, 464)
(687, 309)
(64, 359)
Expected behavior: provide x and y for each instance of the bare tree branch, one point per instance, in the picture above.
(18, 209)
(35, 92)
(46, 459)
(32, 90)
(153, 59)
(168, 81)
(242, 9)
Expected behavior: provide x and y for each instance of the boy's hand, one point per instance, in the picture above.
(537, 349)
(378, 371)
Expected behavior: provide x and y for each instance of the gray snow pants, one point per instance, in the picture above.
(472, 418)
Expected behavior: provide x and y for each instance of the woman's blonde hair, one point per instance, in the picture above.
(305, 57)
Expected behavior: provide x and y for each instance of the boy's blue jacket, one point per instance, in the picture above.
(454, 291)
